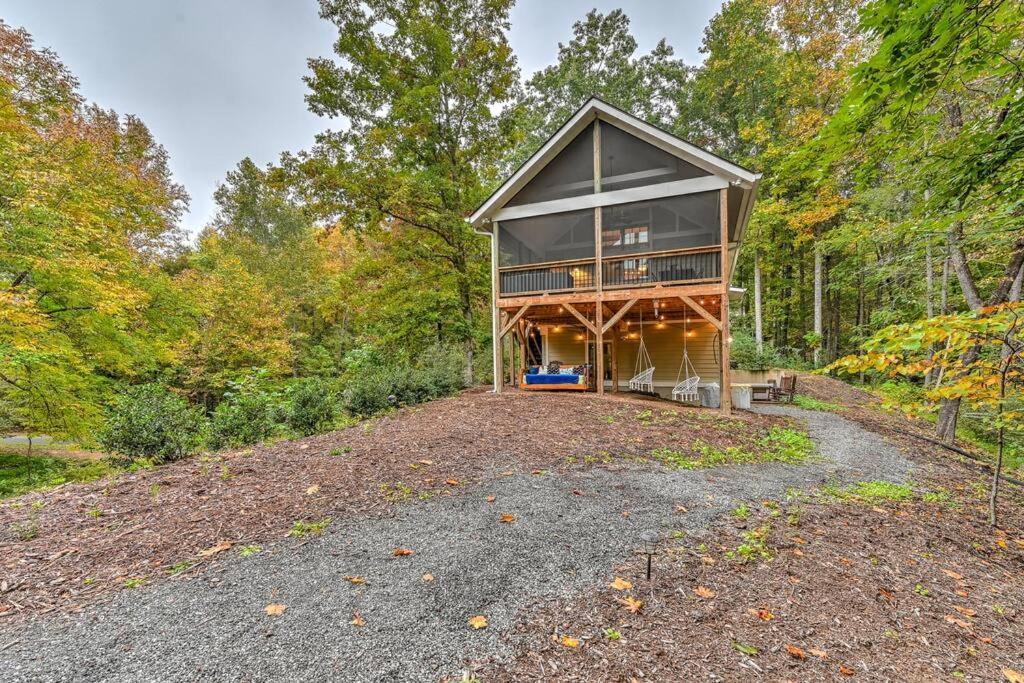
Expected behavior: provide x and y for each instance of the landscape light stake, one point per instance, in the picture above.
(650, 539)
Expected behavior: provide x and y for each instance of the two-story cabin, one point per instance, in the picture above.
(612, 248)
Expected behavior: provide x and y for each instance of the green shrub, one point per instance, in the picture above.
(311, 407)
(745, 356)
(149, 421)
(248, 414)
(372, 389)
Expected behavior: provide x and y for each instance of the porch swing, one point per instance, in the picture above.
(686, 388)
(643, 370)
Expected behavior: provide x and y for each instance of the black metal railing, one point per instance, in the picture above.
(644, 270)
(558, 278)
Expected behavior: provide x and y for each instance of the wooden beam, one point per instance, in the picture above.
(615, 363)
(702, 311)
(599, 349)
(624, 294)
(582, 318)
(496, 355)
(618, 315)
(723, 215)
(514, 320)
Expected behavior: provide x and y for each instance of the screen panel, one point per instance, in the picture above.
(627, 161)
(681, 222)
(569, 174)
(542, 239)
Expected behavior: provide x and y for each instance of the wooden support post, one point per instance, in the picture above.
(496, 354)
(618, 315)
(599, 350)
(723, 215)
(615, 362)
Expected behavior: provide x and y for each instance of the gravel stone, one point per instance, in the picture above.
(570, 530)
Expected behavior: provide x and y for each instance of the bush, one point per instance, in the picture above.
(149, 421)
(438, 373)
(248, 414)
(312, 406)
(744, 355)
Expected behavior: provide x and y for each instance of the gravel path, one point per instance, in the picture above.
(569, 532)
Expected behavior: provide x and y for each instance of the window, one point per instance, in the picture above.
(569, 174)
(627, 161)
(660, 224)
(552, 237)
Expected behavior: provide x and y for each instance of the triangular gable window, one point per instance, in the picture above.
(627, 161)
(569, 174)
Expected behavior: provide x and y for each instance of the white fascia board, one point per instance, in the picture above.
(593, 201)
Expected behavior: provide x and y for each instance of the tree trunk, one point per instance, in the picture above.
(468, 343)
(758, 331)
(817, 301)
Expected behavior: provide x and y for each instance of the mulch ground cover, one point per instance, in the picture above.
(816, 587)
(65, 548)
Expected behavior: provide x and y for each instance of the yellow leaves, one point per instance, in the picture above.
(704, 592)
(762, 614)
(507, 518)
(355, 580)
(213, 550)
(357, 620)
(313, 490)
(631, 604)
(620, 584)
(1013, 676)
(403, 552)
(478, 622)
(569, 641)
(275, 609)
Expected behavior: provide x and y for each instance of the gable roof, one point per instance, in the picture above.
(596, 108)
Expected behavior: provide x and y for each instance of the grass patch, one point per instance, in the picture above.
(754, 546)
(396, 493)
(21, 474)
(811, 403)
(250, 550)
(781, 444)
(303, 528)
(871, 492)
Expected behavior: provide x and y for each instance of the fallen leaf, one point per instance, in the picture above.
(704, 592)
(577, 492)
(879, 510)
(707, 559)
(491, 499)
(620, 584)
(845, 670)
(428, 577)
(798, 552)
(507, 518)
(1001, 543)
(313, 490)
(355, 580)
(762, 614)
(952, 574)
(745, 649)
(1013, 676)
(426, 462)
(357, 619)
(625, 513)
(303, 446)
(452, 482)
(820, 654)
(797, 539)
(966, 611)
(631, 604)
(681, 508)
(888, 595)
(958, 622)
(537, 472)
(962, 593)
(795, 652)
(219, 548)
(402, 552)
(275, 609)
(794, 579)
(478, 622)
(570, 642)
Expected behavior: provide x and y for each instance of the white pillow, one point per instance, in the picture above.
(543, 370)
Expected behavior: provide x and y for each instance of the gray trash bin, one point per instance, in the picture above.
(710, 395)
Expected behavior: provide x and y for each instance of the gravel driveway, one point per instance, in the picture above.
(569, 531)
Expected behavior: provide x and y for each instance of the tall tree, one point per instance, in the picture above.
(419, 82)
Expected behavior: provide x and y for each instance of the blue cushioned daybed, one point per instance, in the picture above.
(533, 381)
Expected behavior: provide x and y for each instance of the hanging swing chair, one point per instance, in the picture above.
(686, 378)
(643, 370)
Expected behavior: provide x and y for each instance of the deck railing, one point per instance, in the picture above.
(565, 276)
(690, 265)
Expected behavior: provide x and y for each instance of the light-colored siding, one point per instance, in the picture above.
(564, 346)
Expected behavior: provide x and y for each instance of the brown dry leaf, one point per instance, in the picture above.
(966, 611)
(794, 579)
(426, 462)
(820, 654)
(507, 518)
(402, 552)
(952, 574)
(888, 595)
(219, 548)
(631, 604)
(620, 584)
(452, 482)
(428, 577)
(798, 540)
(1013, 676)
(357, 619)
(795, 652)
(478, 622)
(962, 593)
(681, 508)
(845, 670)
(762, 614)
(275, 609)
(958, 622)
(707, 559)
(313, 490)
(303, 447)
(355, 580)
(491, 499)
(537, 472)
(570, 642)
(879, 510)
(625, 513)
(704, 592)
(798, 552)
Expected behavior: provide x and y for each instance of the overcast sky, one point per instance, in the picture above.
(219, 80)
